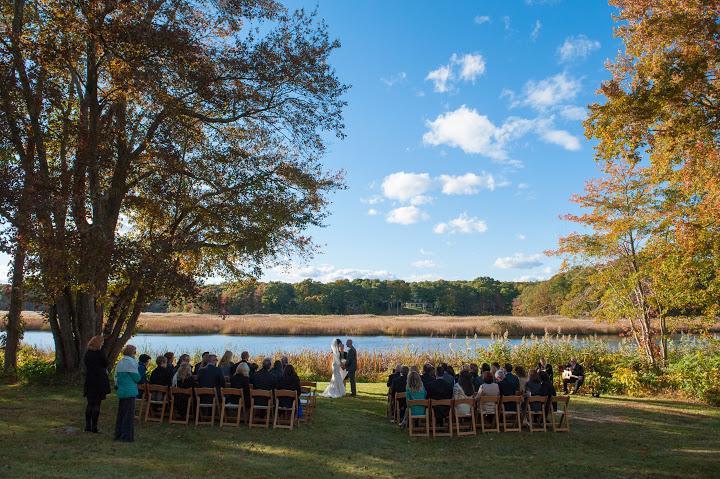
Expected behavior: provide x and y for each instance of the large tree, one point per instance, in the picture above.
(657, 132)
(162, 141)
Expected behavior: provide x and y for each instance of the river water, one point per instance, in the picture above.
(218, 343)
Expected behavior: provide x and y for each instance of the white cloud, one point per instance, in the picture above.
(576, 48)
(471, 65)
(420, 200)
(472, 132)
(425, 252)
(324, 273)
(506, 22)
(373, 212)
(414, 278)
(392, 80)
(572, 112)
(480, 19)
(561, 138)
(404, 187)
(536, 30)
(521, 237)
(523, 186)
(519, 261)
(550, 91)
(440, 78)
(424, 264)
(467, 184)
(372, 200)
(406, 215)
(462, 224)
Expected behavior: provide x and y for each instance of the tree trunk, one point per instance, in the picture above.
(13, 324)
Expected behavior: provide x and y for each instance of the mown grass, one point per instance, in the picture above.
(610, 437)
(356, 325)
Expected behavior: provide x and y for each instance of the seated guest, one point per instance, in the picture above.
(398, 386)
(510, 376)
(475, 373)
(184, 359)
(440, 389)
(532, 386)
(576, 377)
(161, 374)
(483, 369)
(393, 375)
(245, 358)
(522, 379)
(289, 382)
(428, 374)
(284, 361)
(494, 367)
(226, 364)
(143, 361)
(545, 366)
(264, 379)
(415, 391)
(170, 356)
(211, 376)
(184, 379)
(488, 388)
(449, 375)
(201, 364)
(277, 370)
(507, 387)
(547, 389)
(241, 380)
(463, 390)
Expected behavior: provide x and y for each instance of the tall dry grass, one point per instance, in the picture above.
(357, 325)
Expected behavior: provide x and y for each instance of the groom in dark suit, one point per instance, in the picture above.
(351, 366)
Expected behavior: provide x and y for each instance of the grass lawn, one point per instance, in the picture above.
(610, 437)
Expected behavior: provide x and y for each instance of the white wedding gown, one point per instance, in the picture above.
(336, 388)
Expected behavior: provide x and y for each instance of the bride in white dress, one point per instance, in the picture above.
(336, 388)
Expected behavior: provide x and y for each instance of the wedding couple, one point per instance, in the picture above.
(344, 364)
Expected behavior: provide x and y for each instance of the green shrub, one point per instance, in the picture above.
(35, 366)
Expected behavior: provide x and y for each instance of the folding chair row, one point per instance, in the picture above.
(461, 417)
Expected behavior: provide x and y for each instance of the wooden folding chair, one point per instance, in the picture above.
(174, 394)
(446, 430)
(280, 422)
(201, 403)
(537, 411)
(483, 408)
(228, 395)
(140, 405)
(390, 406)
(257, 407)
(308, 398)
(422, 419)
(464, 423)
(157, 398)
(511, 420)
(398, 398)
(559, 417)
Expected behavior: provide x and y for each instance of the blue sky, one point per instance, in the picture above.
(464, 136)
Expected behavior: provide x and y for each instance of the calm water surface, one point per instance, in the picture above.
(290, 344)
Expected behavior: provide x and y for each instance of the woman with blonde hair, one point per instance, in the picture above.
(127, 378)
(97, 383)
(415, 391)
(226, 364)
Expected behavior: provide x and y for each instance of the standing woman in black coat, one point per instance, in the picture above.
(97, 384)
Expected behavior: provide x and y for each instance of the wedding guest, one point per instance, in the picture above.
(483, 369)
(510, 376)
(170, 356)
(449, 375)
(184, 379)
(277, 370)
(546, 385)
(226, 364)
(463, 389)
(494, 367)
(202, 363)
(415, 391)
(126, 379)
(545, 366)
(522, 378)
(289, 382)
(428, 374)
(241, 380)
(264, 379)
(393, 375)
(488, 388)
(245, 358)
(399, 385)
(440, 389)
(475, 373)
(184, 359)
(211, 376)
(507, 387)
(143, 361)
(284, 361)
(97, 383)
(161, 375)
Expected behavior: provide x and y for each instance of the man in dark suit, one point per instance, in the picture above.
(201, 364)
(264, 379)
(399, 385)
(440, 389)
(510, 377)
(428, 374)
(211, 376)
(351, 366)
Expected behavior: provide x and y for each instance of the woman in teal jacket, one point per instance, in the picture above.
(127, 378)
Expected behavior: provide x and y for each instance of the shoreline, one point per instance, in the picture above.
(186, 324)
